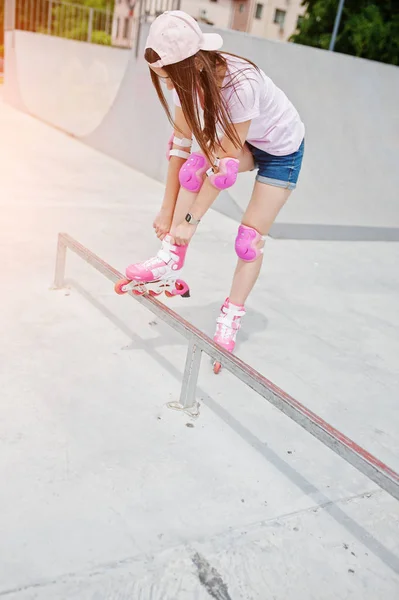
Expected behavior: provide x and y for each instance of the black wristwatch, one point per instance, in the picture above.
(192, 220)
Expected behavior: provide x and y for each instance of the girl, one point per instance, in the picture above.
(241, 121)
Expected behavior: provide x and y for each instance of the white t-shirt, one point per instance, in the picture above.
(276, 126)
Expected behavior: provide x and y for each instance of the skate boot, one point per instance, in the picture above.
(228, 324)
(157, 274)
(163, 265)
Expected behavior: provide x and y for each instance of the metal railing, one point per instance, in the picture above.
(120, 27)
(198, 342)
(64, 19)
(147, 11)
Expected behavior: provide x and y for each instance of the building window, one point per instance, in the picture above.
(117, 28)
(279, 17)
(126, 28)
(299, 21)
(258, 11)
(241, 8)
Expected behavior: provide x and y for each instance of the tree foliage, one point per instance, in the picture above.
(369, 28)
(72, 19)
(69, 19)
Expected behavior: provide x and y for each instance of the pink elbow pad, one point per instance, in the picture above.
(226, 175)
(192, 173)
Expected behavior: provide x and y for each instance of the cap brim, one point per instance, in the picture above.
(212, 41)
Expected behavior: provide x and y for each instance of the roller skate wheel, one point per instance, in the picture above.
(182, 288)
(119, 285)
(217, 367)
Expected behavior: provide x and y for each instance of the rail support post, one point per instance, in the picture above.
(187, 402)
(59, 275)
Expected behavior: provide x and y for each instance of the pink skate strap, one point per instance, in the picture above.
(182, 142)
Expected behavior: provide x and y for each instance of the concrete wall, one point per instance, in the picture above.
(350, 110)
(350, 176)
(69, 84)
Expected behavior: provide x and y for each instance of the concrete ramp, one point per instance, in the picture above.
(348, 186)
(107, 494)
(69, 84)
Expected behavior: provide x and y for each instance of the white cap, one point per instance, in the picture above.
(175, 36)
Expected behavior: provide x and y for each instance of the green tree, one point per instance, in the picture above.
(369, 28)
(68, 18)
(71, 20)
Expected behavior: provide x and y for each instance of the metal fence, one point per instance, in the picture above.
(198, 343)
(150, 9)
(147, 11)
(120, 26)
(64, 19)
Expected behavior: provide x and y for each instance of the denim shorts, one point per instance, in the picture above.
(281, 171)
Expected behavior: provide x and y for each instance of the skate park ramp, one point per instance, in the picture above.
(108, 494)
(69, 85)
(348, 187)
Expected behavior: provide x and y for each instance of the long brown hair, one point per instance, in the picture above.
(200, 74)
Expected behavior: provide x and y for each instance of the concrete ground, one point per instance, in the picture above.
(106, 494)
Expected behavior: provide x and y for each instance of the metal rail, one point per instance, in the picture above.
(62, 19)
(198, 342)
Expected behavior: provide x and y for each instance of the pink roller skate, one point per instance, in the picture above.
(157, 274)
(228, 324)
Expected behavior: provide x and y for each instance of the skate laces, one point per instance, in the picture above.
(229, 320)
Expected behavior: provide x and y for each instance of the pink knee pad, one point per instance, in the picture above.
(246, 241)
(191, 175)
(227, 173)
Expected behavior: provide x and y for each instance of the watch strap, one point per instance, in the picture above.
(192, 220)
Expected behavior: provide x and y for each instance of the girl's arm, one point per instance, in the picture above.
(208, 193)
(175, 163)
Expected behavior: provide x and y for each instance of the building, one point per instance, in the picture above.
(272, 19)
(123, 23)
(218, 13)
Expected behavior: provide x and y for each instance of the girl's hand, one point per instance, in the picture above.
(184, 232)
(163, 222)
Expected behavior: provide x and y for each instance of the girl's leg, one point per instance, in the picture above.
(171, 257)
(265, 204)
